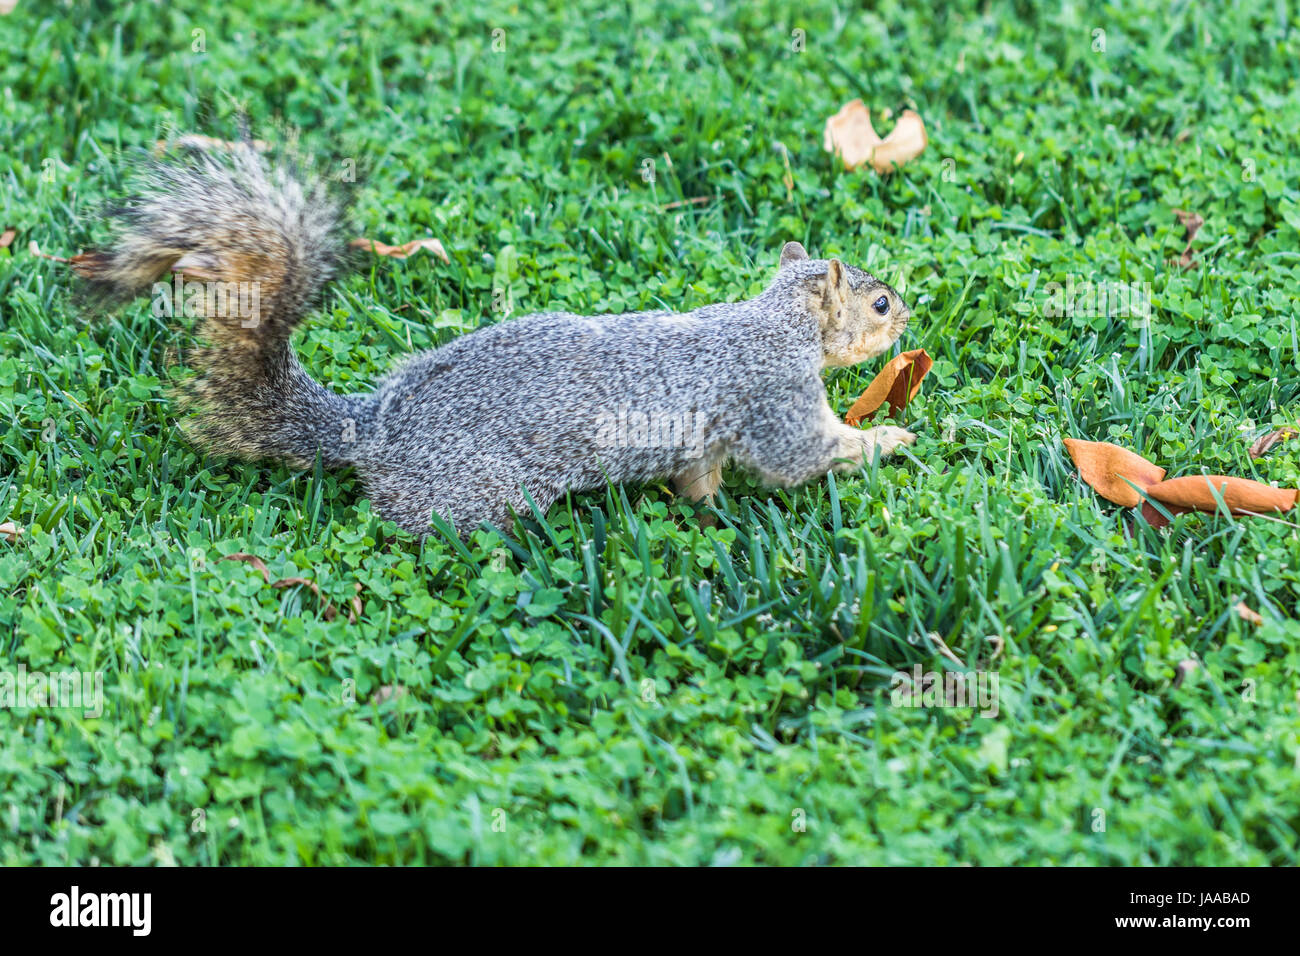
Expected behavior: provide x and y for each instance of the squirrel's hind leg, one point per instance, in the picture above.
(699, 481)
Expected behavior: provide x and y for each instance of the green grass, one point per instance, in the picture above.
(617, 681)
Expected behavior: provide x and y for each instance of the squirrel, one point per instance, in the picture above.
(543, 404)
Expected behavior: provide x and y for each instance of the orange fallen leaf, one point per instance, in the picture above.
(1105, 467)
(1154, 518)
(404, 250)
(1262, 445)
(1247, 613)
(849, 134)
(10, 531)
(897, 383)
(1241, 495)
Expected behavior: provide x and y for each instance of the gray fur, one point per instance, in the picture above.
(547, 402)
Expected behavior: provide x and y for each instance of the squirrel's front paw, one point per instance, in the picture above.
(888, 437)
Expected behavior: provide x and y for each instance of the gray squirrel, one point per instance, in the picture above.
(549, 402)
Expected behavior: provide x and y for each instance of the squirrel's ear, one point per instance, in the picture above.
(835, 278)
(792, 252)
(832, 290)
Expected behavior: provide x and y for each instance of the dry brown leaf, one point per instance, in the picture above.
(849, 134)
(1263, 444)
(357, 606)
(1241, 495)
(7, 237)
(944, 649)
(1154, 518)
(1192, 223)
(252, 559)
(1183, 671)
(388, 692)
(35, 250)
(897, 383)
(329, 612)
(10, 531)
(1105, 466)
(1246, 613)
(693, 201)
(404, 250)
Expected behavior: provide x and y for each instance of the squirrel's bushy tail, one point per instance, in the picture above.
(244, 246)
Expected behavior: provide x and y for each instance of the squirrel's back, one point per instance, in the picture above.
(585, 399)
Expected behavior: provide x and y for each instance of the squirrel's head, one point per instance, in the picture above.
(860, 316)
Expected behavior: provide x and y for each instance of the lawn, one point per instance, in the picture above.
(628, 679)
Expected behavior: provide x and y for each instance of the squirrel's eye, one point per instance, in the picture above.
(881, 305)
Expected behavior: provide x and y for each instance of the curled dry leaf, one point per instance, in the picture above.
(388, 692)
(944, 649)
(693, 201)
(1241, 495)
(1105, 467)
(1183, 671)
(7, 237)
(1192, 223)
(329, 612)
(1246, 613)
(402, 251)
(35, 250)
(252, 559)
(357, 606)
(849, 134)
(1263, 444)
(10, 531)
(897, 383)
(1154, 518)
